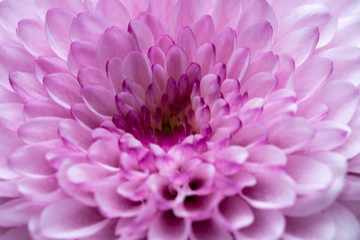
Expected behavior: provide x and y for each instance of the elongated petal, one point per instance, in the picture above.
(53, 226)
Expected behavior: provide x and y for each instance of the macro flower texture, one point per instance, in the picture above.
(179, 119)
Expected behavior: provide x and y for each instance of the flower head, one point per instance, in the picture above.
(180, 119)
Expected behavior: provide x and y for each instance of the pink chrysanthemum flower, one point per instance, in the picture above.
(188, 119)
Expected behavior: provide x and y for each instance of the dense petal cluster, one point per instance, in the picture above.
(179, 119)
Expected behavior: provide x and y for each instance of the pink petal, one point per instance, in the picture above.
(309, 174)
(249, 135)
(325, 130)
(268, 224)
(42, 108)
(164, 42)
(224, 41)
(69, 187)
(39, 167)
(111, 159)
(87, 176)
(93, 76)
(42, 6)
(74, 135)
(310, 76)
(154, 22)
(272, 190)
(299, 44)
(58, 36)
(11, 13)
(156, 55)
(235, 212)
(115, 42)
(63, 89)
(16, 233)
(345, 36)
(256, 11)
(291, 135)
(267, 155)
(197, 207)
(7, 96)
(136, 7)
(163, 9)
(176, 62)
(285, 72)
(114, 205)
(47, 65)
(167, 226)
(350, 148)
(312, 110)
(267, 62)
(17, 212)
(238, 63)
(136, 67)
(40, 130)
(313, 203)
(187, 42)
(12, 115)
(191, 9)
(210, 230)
(114, 74)
(341, 98)
(27, 86)
(310, 15)
(347, 225)
(205, 57)
(203, 29)
(231, 8)
(88, 27)
(9, 189)
(84, 116)
(32, 36)
(81, 55)
(42, 190)
(114, 11)
(87, 222)
(256, 37)
(317, 226)
(13, 59)
(142, 34)
(99, 100)
(259, 85)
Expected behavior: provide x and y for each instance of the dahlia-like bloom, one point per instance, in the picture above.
(179, 119)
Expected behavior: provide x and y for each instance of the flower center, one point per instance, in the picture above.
(165, 122)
